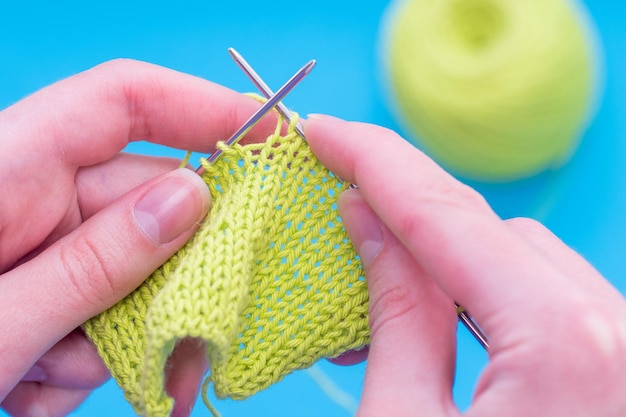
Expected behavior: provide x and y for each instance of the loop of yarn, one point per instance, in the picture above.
(270, 282)
(493, 89)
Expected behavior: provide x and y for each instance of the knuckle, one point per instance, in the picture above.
(443, 198)
(457, 194)
(118, 64)
(595, 347)
(527, 226)
(391, 308)
(377, 131)
(87, 271)
(131, 79)
(604, 336)
(82, 358)
(94, 375)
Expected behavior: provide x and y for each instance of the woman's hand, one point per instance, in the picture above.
(556, 327)
(82, 225)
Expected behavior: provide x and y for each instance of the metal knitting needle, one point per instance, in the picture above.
(472, 326)
(262, 111)
(263, 88)
(267, 92)
(464, 317)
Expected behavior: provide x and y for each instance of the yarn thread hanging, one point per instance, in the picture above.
(270, 282)
(494, 90)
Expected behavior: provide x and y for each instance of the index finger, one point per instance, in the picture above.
(89, 117)
(446, 226)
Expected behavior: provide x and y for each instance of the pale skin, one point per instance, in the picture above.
(557, 328)
(82, 225)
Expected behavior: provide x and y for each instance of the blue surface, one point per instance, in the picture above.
(584, 203)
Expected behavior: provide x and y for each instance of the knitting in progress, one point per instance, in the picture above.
(270, 282)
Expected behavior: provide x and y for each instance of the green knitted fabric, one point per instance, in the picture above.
(270, 282)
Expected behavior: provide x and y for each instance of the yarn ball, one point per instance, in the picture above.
(494, 90)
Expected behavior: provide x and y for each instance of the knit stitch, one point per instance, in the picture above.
(270, 282)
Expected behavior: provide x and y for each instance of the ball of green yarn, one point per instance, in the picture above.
(493, 89)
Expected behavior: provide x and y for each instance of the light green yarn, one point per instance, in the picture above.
(492, 89)
(270, 282)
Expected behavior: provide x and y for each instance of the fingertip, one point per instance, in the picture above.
(323, 133)
(322, 130)
(184, 373)
(362, 224)
(351, 357)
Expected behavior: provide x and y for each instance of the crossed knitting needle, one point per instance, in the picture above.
(274, 100)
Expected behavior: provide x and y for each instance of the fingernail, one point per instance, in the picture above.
(172, 206)
(362, 224)
(323, 117)
(35, 374)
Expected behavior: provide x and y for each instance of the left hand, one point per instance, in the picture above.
(70, 242)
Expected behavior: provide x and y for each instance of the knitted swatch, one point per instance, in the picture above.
(270, 282)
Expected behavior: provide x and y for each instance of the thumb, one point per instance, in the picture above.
(411, 358)
(96, 265)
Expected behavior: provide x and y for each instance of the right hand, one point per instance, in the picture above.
(556, 327)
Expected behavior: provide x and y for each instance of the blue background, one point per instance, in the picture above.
(584, 202)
